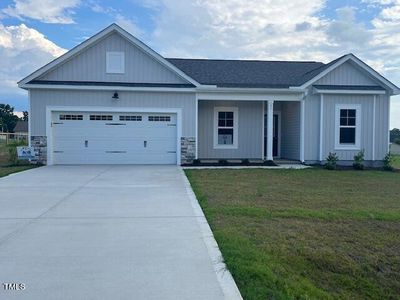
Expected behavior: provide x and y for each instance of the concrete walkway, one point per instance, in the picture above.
(106, 232)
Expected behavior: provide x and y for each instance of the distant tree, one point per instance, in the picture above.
(25, 116)
(394, 135)
(7, 118)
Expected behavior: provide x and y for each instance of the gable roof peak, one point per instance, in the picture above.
(95, 38)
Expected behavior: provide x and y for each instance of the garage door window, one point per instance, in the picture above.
(130, 118)
(159, 118)
(101, 117)
(71, 117)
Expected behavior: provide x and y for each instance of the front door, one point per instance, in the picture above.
(275, 142)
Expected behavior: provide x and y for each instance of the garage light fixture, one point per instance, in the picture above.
(115, 96)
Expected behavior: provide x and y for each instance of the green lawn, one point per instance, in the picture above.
(306, 234)
(5, 156)
(396, 162)
(4, 171)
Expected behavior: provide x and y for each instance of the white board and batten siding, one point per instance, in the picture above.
(90, 65)
(250, 130)
(290, 126)
(113, 138)
(40, 99)
(347, 74)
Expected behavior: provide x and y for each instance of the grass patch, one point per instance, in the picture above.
(4, 171)
(8, 154)
(396, 161)
(306, 234)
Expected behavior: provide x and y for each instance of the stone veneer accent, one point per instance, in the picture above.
(188, 150)
(39, 143)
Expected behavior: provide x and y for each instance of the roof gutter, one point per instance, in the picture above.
(105, 88)
(216, 89)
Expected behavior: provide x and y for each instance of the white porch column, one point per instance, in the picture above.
(270, 129)
(321, 127)
(302, 116)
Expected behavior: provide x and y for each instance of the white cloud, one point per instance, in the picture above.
(47, 11)
(128, 24)
(346, 31)
(237, 28)
(22, 50)
(278, 29)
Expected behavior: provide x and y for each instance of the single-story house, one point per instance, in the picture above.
(395, 149)
(21, 127)
(114, 100)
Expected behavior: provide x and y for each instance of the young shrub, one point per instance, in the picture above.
(223, 162)
(331, 161)
(358, 163)
(13, 156)
(196, 162)
(245, 162)
(269, 163)
(388, 162)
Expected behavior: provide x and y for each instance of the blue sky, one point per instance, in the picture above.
(32, 32)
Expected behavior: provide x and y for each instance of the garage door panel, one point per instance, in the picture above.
(86, 141)
(102, 131)
(116, 158)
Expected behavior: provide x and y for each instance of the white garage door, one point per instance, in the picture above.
(114, 138)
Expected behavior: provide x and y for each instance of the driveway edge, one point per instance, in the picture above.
(225, 279)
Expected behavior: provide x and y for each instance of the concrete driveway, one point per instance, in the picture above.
(106, 232)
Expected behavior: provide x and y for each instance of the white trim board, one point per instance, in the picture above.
(50, 109)
(302, 129)
(236, 95)
(279, 114)
(321, 127)
(349, 92)
(108, 88)
(373, 128)
(97, 37)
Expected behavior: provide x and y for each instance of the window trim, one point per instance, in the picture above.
(357, 145)
(235, 111)
(110, 69)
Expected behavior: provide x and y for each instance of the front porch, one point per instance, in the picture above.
(240, 130)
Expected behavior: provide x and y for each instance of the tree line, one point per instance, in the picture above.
(8, 119)
(395, 136)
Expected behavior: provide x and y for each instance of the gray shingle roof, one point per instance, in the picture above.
(249, 73)
(21, 126)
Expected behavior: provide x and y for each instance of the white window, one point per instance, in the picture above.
(225, 127)
(347, 127)
(115, 62)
